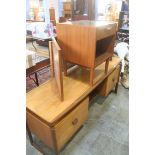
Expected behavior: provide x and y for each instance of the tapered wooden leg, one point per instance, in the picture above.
(106, 65)
(65, 67)
(91, 76)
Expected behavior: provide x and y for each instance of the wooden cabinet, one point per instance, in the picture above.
(56, 136)
(110, 82)
(87, 43)
(54, 122)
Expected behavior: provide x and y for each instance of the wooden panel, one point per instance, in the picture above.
(40, 129)
(77, 43)
(110, 82)
(71, 123)
(45, 103)
(57, 66)
(62, 37)
(105, 31)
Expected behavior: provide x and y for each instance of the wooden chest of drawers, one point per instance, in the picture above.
(58, 134)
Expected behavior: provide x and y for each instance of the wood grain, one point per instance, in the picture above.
(55, 54)
(36, 126)
(44, 102)
(79, 42)
(71, 123)
(110, 82)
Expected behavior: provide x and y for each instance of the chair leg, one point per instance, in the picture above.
(91, 76)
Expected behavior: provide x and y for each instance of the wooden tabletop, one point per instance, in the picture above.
(44, 101)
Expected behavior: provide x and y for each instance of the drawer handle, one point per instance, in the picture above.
(75, 121)
(113, 80)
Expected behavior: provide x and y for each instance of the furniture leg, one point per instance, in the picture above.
(106, 65)
(91, 76)
(34, 80)
(34, 46)
(65, 67)
(36, 77)
(116, 87)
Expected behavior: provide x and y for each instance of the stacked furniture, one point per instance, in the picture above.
(57, 109)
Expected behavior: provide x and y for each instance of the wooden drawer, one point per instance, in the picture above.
(103, 32)
(110, 82)
(71, 123)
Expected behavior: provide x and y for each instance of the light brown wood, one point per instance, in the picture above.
(55, 53)
(83, 42)
(106, 31)
(110, 82)
(45, 103)
(71, 123)
(40, 129)
(51, 59)
(106, 65)
(91, 76)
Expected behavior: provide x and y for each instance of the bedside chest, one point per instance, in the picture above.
(86, 43)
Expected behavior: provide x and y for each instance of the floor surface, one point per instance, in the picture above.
(106, 131)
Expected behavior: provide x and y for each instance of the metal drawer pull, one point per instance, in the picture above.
(75, 121)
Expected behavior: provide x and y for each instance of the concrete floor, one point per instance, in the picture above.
(106, 131)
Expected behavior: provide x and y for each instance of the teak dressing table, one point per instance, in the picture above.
(86, 43)
(54, 121)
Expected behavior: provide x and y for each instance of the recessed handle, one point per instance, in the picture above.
(75, 121)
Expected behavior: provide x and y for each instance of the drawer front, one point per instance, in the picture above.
(103, 32)
(71, 123)
(112, 80)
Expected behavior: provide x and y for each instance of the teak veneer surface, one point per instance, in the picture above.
(44, 101)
